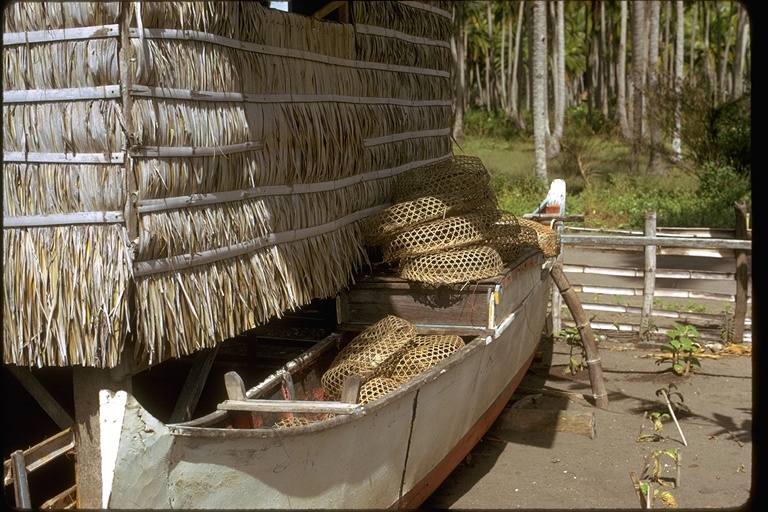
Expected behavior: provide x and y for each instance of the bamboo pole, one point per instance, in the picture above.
(649, 275)
(585, 332)
(742, 275)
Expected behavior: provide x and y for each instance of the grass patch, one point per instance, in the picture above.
(595, 169)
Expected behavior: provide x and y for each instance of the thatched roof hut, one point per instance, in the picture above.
(175, 173)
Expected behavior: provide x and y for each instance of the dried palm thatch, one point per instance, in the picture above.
(214, 160)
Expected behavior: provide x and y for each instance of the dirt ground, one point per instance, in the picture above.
(514, 467)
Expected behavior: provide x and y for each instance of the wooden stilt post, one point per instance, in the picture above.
(649, 277)
(86, 383)
(742, 275)
(585, 332)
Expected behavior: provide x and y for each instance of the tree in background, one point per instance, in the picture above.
(539, 65)
(703, 45)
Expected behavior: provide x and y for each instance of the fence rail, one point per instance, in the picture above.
(630, 295)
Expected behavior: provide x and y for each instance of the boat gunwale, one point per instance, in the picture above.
(197, 428)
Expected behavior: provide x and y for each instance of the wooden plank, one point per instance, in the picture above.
(742, 276)
(472, 309)
(700, 243)
(296, 406)
(41, 395)
(543, 420)
(660, 273)
(20, 482)
(42, 453)
(236, 392)
(351, 391)
(193, 386)
(66, 499)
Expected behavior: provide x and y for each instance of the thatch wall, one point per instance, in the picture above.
(176, 173)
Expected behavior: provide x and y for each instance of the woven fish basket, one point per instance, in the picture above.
(366, 352)
(427, 351)
(294, 421)
(458, 173)
(440, 235)
(454, 266)
(547, 239)
(511, 235)
(376, 388)
(405, 214)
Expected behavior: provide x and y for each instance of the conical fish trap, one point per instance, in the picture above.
(511, 235)
(439, 235)
(454, 266)
(366, 352)
(428, 350)
(459, 173)
(405, 214)
(547, 239)
(334, 378)
(376, 388)
(294, 421)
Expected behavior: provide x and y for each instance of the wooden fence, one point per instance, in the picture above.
(627, 295)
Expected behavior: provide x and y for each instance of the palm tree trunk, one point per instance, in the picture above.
(539, 73)
(677, 150)
(621, 76)
(656, 163)
(692, 55)
(638, 81)
(724, 82)
(741, 52)
(515, 96)
(559, 84)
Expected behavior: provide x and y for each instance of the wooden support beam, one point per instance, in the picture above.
(193, 386)
(41, 395)
(594, 364)
(289, 406)
(42, 453)
(327, 9)
(66, 499)
(87, 382)
(742, 275)
(20, 481)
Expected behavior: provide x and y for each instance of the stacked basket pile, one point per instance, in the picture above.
(445, 226)
(386, 355)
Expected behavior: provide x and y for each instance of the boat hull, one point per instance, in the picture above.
(392, 454)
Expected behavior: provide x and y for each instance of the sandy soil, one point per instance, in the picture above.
(513, 468)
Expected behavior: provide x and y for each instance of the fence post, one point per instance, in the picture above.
(742, 275)
(649, 276)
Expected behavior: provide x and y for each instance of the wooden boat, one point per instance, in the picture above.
(392, 452)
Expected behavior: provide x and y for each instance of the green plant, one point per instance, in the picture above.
(650, 331)
(683, 348)
(653, 474)
(728, 328)
(573, 339)
(657, 417)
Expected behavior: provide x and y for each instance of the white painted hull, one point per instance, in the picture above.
(392, 454)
